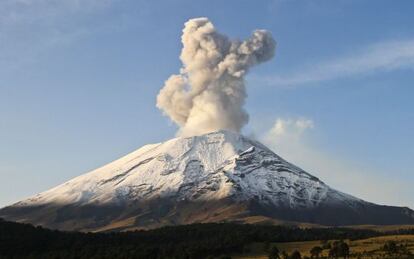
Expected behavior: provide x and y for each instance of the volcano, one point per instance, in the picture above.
(216, 177)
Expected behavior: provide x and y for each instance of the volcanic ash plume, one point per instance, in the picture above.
(209, 92)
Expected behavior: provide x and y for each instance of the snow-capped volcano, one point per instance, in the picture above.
(209, 167)
(220, 176)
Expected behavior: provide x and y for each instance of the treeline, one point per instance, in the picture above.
(407, 231)
(189, 241)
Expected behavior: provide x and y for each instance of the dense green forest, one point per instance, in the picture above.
(189, 241)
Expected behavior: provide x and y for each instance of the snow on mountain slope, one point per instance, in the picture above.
(220, 176)
(212, 166)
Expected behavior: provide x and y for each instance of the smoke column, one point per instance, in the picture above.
(209, 92)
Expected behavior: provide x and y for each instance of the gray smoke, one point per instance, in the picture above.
(209, 92)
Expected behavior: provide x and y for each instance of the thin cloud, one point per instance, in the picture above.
(31, 27)
(379, 57)
(292, 139)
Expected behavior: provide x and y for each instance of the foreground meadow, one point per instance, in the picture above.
(375, 247)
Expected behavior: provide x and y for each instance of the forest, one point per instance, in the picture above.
(213, 240)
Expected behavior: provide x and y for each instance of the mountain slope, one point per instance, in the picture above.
(221, 176)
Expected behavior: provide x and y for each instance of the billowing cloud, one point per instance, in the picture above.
(209, 92)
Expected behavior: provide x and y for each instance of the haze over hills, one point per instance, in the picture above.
(215, 177)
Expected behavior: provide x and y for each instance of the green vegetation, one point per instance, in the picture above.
(391, 248)
(316, 251)
(295, 255)
(388, 246)
(222, 240)
(274, 253)
(339, 249)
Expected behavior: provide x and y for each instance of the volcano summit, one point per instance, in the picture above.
(215, 177)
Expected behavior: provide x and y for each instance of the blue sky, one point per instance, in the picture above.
(79, 80)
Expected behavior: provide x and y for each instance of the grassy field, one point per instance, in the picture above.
(364, 248)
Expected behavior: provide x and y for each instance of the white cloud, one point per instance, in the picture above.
(290, 128)
(379, 57)
(292, 139)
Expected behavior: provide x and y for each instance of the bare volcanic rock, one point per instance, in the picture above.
(216, 177)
